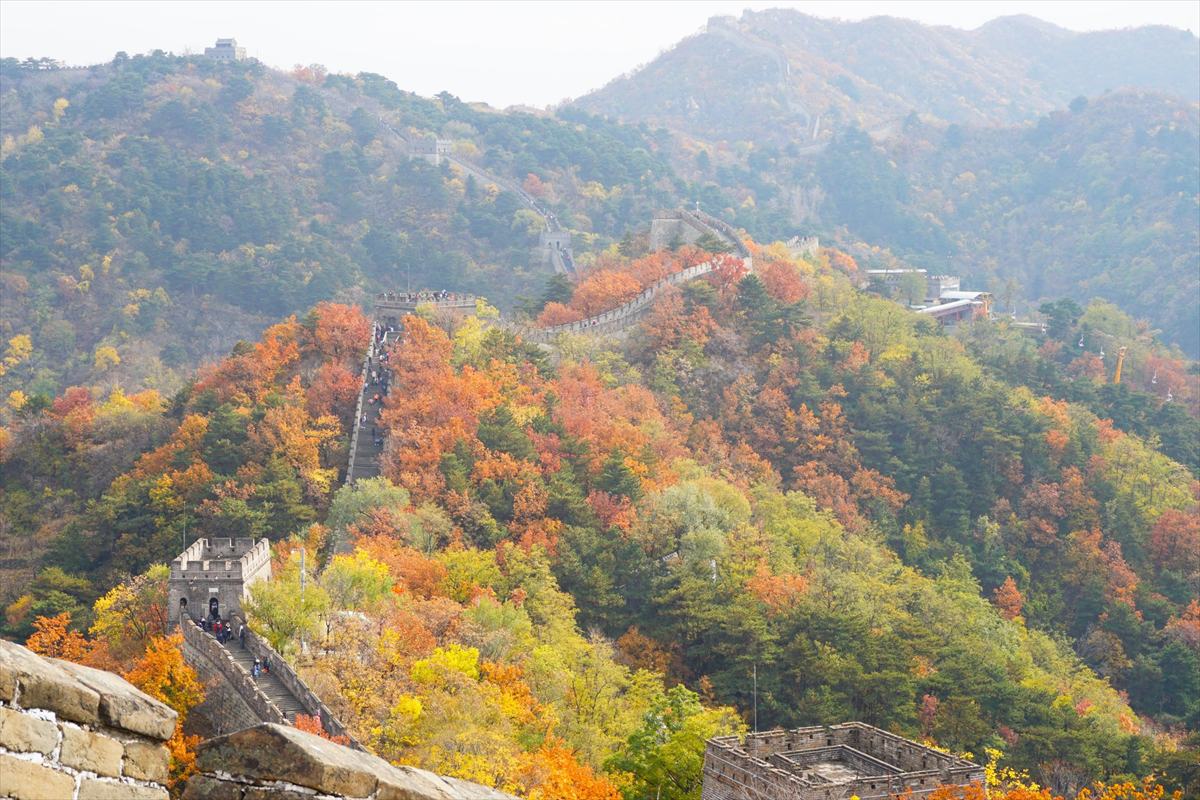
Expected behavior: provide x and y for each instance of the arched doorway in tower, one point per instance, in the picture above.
(183, 611)
(214, 608)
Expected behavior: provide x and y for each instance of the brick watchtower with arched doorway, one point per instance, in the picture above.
(213, 576)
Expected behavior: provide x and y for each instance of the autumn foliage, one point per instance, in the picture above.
(570, 564)
(1008, 599)
(312, 724)
(613, 281)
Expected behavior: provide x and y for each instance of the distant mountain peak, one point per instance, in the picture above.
(766, 74)
(1024, 22)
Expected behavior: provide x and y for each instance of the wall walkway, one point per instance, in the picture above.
(276, 696)
(623, 317)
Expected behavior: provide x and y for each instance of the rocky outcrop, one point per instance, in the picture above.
(277, 762)
(68, 731)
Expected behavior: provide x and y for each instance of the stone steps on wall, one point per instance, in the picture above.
(366, 454)
(270, 685)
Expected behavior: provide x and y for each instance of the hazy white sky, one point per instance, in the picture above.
(535, 53)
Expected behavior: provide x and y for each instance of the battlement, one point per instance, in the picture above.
(215, 574)
(430, 148)
(221, 558)
(803, 246)
(827, 763)
(668, 228)
(553, 238)
(681, 226)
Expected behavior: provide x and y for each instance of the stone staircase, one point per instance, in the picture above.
(366, 452)
(270, 685)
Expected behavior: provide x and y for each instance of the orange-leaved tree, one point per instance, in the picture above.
(312, 724)
(1008, 599)
(1147, 789)
(556, 313)
(553, 773)
(162, 673)
(604, 290)
(53, 637)
(340, 332)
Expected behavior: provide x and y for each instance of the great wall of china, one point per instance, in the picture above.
(82, 733)
(216, 574)
(366, 443)
(70, 732)
(554, 242)
(258, 752)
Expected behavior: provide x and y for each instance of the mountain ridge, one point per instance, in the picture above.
(1005, 76)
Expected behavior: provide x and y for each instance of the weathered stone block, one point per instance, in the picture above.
(41, 683)
(465, 790)
(280, 753)
(26, 734)
(100, 789)
(8, 680)
(268, 753)
(206, 787)
(146, 762)
(407, 783)
(24, 780)
(123, 705)
(89, 751)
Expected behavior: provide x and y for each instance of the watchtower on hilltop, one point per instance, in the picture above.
(213, 576)
(226, 50)
(430, 148)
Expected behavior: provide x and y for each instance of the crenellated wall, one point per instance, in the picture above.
(214, 663)
(621, 317)
(220, 569)
(282, 670)
(669, 227)
(773, 764)
(803, 246)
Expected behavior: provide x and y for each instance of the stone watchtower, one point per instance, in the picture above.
(671, 227)
(226, 50)
(213, 576)
(829, 762)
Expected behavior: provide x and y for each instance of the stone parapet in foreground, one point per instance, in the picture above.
(278, 762)
(73, 732)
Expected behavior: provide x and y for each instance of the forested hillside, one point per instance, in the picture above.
(952, 148)
(158, 208)
(767, 75)
(1097, 201)
(775, 473)
(776, 498)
